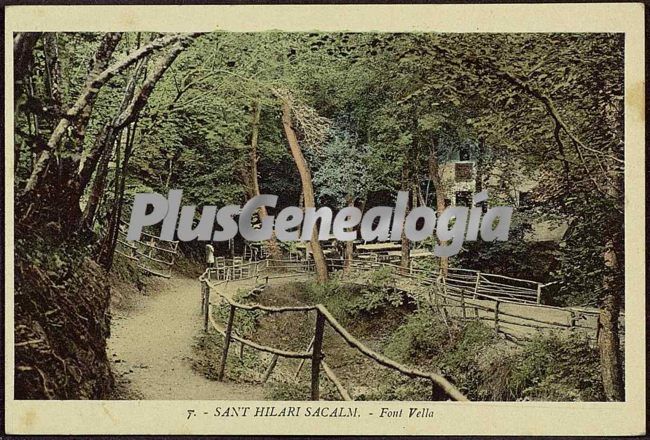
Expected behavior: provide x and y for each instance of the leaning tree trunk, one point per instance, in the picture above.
(99, 184)
(307, 188)
(101, 152)
(274, 247)
(436, 179)
(52, 187)
(107, 248)
(129, 116)
(24, 43)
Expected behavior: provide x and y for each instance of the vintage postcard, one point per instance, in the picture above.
(325, 219)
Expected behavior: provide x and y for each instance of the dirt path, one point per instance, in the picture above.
(151, 347)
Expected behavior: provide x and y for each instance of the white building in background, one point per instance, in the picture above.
(460, 175)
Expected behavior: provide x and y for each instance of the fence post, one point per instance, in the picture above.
(539, 293)
(226, 342)
(496, 317)
(478, 280)
(206, 308)
(269, 370)
(317, 355)
(462, 303)
(202, 298)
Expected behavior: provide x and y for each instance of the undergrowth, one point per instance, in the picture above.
(549, 368)
(285, 390)
(482, 366)
(348, 302)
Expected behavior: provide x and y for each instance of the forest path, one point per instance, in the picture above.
(151, 346)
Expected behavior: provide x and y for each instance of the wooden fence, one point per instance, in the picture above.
(506, 305)
(471, 295)
(152, 255)
(441, 389)
(510, 305)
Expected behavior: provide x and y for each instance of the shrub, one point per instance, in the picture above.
(557, 368)
(208, 349)
(281, 390)
(335, 297)
(245, 322)
(461, 360)
(398, 387)
(422, 336)
(373, 300)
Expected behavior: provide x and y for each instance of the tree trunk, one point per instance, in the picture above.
(406, 178)
(58, 191)
(436, 178)
(349, 245)
(53, 69)
(24, 43)
(608, 337)
(51, 185)
(274, 247)
(307, 188)
(99, 185)
(109, 244)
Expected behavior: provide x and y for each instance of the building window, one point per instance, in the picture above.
(463, 198)
(463, 172)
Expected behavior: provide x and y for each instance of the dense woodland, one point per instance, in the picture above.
(337, 119)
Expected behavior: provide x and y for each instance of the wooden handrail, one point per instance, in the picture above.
(283, 353)
(451, 292)
(335, 380)
(443, 383)
(168, 263)
(144, 243)
(438, 380)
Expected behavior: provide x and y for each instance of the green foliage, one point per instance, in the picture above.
(550, 367)
(377, 293)
(375, 299)
(337, 299)
(422, 337)
(349, 301)
(342, 175)
(292, 391)
(517, 257)
(398, 387)
(557, 368)
(462, 360)
(207, 360)
(245, 322)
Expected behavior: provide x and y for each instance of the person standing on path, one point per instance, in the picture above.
(209, 250)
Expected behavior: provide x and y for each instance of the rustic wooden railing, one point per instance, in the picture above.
(465, 294)
(442, 389)
(480, 284)
(155, 256)
(511, 316)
